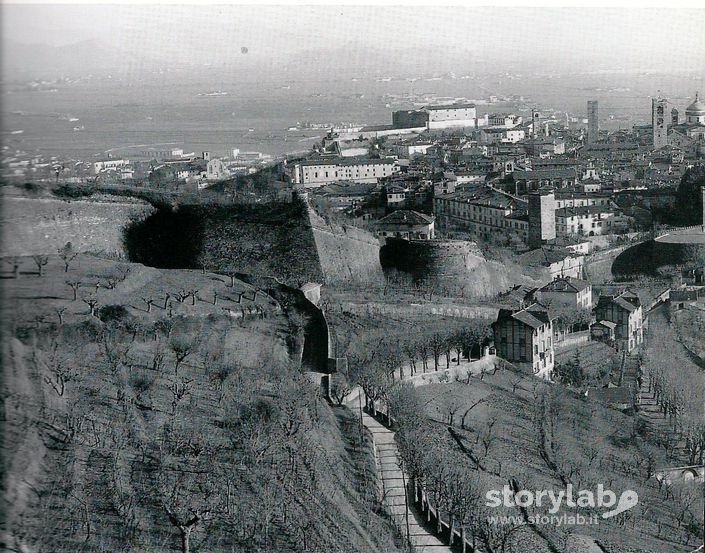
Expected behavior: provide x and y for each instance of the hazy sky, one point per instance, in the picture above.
(640, 38)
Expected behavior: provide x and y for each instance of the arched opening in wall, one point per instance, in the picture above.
(315, 350)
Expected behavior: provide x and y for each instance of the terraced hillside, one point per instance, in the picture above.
(171, 423)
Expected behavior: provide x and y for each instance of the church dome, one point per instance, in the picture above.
(696, 108)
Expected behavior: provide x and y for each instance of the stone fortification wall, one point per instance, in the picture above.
(346, 253)
(423, 259)
(654, 257)
(39, 226)
(455, 265)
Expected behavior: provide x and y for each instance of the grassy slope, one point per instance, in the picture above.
(583, 429)
(92, 469)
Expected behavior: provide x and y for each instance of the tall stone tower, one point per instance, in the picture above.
(658, 122)
(593, 122)
(702, 228)
(674, 117)
(535, 122)
(542, 217)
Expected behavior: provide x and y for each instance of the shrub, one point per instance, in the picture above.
(72, 191)
(141, 381)
(114, 314)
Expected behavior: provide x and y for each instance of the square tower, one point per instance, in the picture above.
(593, 122)
(535, 122)
(658, 122)
(542, 217)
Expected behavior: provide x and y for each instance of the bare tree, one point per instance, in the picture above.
(15, 263)
(437, 344)
(181, 346)
(194, 294)
(91, 302)
(467, 412)
(179, 389)
(514, 381)
(487, 437)
(75, 285)
(60, 313)
(40, 261)
(117, 275)
(187, 482)
(67, 255)
(452, 406)
(339, 388)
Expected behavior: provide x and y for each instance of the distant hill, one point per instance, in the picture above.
(33, 61)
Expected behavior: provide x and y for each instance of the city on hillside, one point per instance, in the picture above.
(237, 319)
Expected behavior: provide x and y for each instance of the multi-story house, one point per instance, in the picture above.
(553, 261)
(567, 291)
(524, 337)
(484, 212)
(573, 198)
(625, 311)
(506, 120)
(397, 194)
(406, 224)
(342, 195)
(584, 221)
(109, 164)
(544, 147)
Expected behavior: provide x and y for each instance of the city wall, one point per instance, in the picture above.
(345, 253)
(456, 266)
(451, 259)
(34, 226)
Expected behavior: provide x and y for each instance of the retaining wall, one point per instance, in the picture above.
(40, 226)
(421, 310)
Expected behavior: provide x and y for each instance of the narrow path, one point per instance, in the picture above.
(394, 493)
(387, 455)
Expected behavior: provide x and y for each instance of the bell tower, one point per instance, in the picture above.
(658, 122)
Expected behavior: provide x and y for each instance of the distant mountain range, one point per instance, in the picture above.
(35, 61)
(343, 61)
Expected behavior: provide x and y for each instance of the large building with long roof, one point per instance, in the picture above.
(485, 212)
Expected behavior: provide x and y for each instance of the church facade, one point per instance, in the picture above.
(690, 134)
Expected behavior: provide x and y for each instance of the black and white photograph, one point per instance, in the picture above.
(347, 278)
